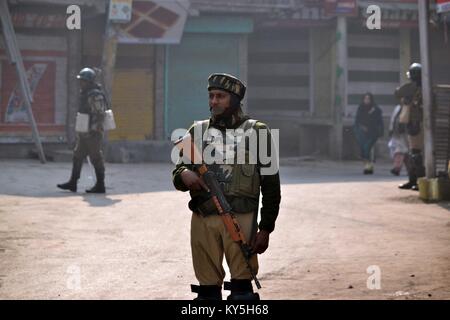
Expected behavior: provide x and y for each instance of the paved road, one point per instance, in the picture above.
(133, 243)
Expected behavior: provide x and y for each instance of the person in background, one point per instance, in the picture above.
(411, 116)
(368, 129)
(398, 144)
(92, 102)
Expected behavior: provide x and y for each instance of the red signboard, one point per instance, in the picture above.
(156, 21)
(341, 7)
(38, 20)
(41, 77)
(442, 6)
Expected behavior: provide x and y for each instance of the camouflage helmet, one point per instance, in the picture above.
(227, 82)
(415, 72)
(87, 74)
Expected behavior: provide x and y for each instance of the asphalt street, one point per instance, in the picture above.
(340, 235)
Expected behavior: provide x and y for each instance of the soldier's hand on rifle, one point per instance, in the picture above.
(261, 242)
(192, 181)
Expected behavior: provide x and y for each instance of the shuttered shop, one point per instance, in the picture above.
(209, 45)
(278, 73)
(373, 66)
(45, 61)
(133, 93)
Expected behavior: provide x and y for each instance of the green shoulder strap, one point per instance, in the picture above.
(205, 125)
(250, 123)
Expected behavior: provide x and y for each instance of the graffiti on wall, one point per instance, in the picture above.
(15, 108)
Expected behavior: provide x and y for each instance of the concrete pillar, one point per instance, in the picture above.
(243, 64)
(109, 57)
(159, 92)
(74, 59)
(405, 54)
(424, 7)
(312, 72)
(340, 101)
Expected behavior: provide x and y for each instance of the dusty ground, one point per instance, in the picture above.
(133, 243)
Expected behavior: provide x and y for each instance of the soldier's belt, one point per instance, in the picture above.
(207, 208)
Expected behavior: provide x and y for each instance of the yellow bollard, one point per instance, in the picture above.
(423, 189)
(434, 190)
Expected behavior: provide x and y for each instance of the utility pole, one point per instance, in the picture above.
(424, 14)
(15, 58)
(340, 100)
(109, 56)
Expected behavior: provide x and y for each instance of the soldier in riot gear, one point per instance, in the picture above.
(92, 102)
(241, 185)
(411, 118)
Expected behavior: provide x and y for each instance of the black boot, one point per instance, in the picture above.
(411, 184)
(241, 290)
(71, 185)
(207, 292)
(100, 184)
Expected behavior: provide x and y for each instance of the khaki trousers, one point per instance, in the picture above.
(210, 241)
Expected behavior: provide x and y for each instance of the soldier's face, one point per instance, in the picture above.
(219, 101)
(83, 84)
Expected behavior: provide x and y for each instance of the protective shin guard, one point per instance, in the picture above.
(417, 162)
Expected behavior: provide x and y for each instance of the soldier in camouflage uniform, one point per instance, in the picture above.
(411, 120)
(92, 102)
(242, 185)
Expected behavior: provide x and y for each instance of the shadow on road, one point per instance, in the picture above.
(99, 200)
(29, 179)
(444, 205)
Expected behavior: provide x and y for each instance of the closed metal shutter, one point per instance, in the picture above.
(278, 73)
(133, 105)
(441, 127)
(373, 66)
(188, 66)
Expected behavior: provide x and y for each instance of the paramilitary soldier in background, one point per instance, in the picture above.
(241, 184)
(92, 102)
(411, 119)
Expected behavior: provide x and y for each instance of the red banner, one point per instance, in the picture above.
(41, 77)
(442, 6)
(341, 7)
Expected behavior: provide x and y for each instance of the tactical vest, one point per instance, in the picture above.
(414, 126)
(236, 180)
(84, 105)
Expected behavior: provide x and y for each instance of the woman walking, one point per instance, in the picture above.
(368, 128)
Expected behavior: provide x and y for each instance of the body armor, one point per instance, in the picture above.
(240, 182)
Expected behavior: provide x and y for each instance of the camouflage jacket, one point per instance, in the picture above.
(94, 103)
(412, 97)
(269, 184)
